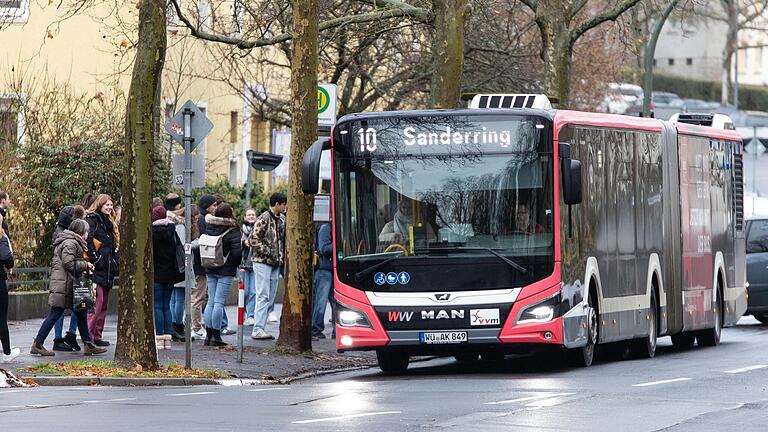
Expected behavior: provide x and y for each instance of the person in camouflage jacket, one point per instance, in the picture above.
(266, 242)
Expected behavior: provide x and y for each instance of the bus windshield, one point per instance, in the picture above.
(452, 202)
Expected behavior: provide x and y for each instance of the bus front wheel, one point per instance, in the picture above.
(585, 355)
(392, 362)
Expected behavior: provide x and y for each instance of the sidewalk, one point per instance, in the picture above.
(258, 363)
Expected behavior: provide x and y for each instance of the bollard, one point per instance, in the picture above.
(240, 314)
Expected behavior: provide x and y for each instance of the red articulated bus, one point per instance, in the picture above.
(511, 226)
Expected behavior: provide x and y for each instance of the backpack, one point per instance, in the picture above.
(212, 250)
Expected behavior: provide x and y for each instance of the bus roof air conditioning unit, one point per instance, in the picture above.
(717, 121)
(501, 100)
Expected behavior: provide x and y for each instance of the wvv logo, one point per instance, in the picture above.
(399, 316)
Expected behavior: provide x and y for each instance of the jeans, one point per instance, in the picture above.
(59, 326)
(249, 280)
(53, 316)
(218, 289)
(266, 281)
(177, 305)
(322, 292)
(163, 319)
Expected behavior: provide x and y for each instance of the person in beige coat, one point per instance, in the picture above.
(69, 264)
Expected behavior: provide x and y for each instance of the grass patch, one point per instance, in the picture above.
(107, 368)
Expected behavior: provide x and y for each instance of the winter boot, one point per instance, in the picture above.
(178, 333)
(216, 339)
(90, 349)
(61, 345)
(208, 336)
(71, 340)
(40, 350)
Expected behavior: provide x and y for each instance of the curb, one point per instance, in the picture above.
(117, 381)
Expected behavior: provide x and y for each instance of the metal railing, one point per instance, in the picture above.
(30, 277)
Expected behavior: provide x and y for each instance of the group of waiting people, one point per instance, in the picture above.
(85, 252)
(258, 246)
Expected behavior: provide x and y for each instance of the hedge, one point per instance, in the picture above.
(751, 97)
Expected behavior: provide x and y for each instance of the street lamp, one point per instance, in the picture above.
(260, 162)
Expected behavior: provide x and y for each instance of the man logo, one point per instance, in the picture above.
(442, 297)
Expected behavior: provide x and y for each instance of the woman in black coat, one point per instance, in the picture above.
(6, 262)
(103, 253)
(166, 272)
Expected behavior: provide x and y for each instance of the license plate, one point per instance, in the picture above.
(448, 337)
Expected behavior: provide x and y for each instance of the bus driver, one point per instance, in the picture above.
(523, 221)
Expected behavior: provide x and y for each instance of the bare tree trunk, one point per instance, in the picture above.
(135, 327)
(296, 320)
(557, 56)
(731, 41)
(448, 52)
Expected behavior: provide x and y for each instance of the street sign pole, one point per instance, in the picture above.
(248, 182)
(188, 271)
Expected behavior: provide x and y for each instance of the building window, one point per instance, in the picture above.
(689, 61)
(11, 121)
(654, 62)
(14, 11)
(205, 15)
(671, 62)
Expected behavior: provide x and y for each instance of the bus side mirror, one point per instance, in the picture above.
(310, 166)
(571, 181)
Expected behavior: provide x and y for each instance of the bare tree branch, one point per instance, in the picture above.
(608, 15)
(404, 11)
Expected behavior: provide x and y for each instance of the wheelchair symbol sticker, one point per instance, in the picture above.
(391, 278)
(403, 278)
(379, 278)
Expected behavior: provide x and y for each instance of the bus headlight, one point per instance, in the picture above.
(350, 317)
(543, 311)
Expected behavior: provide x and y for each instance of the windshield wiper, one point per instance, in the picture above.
(511, 263)
(368, 270)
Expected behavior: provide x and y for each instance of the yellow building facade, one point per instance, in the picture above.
(92, 51)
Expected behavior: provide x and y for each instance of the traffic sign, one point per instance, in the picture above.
(200, 125)
(198, 173)
(326, 104)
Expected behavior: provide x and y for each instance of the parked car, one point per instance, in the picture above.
(698, 105)
(757, 268)
(622, 98)
(664, 99)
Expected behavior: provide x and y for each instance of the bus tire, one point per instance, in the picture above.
(711, 337)
(683, 340)
(646, 347)
(392, 362)
(584, 356)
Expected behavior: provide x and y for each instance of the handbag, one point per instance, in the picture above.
(181, 267)
(82, 294)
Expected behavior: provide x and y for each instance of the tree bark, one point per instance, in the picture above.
(295, 323)
(650, 53)
(448, 52)
(557, 53)
(135, 327)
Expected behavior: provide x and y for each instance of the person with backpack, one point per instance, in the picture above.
(267, 250)
(68, 267)
(103, 244)
(220, 254)
(67, 343)
(167, 273)
(322, 287)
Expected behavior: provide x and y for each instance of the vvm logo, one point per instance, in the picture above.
(394, 316)
(483, 317)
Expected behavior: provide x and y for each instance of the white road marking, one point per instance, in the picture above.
(345, 417)
(268, 389)
(109, 400)
(528, 398)
(661, 382)
(545, 403)
(10, 391)
(746, 369)
(192, 394)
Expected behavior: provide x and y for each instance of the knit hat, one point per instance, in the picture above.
(171, 201)
(206, 201)
(158, 213)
